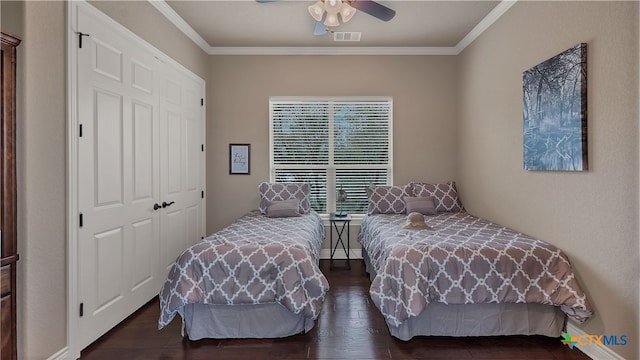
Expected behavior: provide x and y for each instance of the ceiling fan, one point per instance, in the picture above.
(325, 12)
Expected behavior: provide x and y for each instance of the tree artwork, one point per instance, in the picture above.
(555, 112)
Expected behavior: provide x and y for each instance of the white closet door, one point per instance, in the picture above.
(140, 172)
(118, 182)
(182, 156)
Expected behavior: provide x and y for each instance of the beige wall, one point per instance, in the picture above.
(41, 155)
(423, 90)
(592, 215)
(11, 17)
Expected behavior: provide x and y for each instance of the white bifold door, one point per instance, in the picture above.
(140, 166)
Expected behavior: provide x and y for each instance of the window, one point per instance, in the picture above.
(332, 143)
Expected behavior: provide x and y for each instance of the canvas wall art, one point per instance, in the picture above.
(555, 112)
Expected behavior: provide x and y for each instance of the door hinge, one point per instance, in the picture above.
(202, 147)
(80, 131)
(202, 195)
(201, 101)
(80, 35)
(81, 309)
(81, 220)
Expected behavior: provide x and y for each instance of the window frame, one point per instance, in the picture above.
(331, 167)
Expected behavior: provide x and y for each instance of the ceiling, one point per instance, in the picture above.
(285, 27)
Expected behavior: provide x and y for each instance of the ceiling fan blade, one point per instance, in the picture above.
(374, 9)
(319, 29)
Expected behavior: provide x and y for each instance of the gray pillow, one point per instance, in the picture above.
(387, 199)
(445, 195)
(285, 191)
(284, 208)
(423, 205)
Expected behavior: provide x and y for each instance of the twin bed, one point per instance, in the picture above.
(256, 278)
(460, 276)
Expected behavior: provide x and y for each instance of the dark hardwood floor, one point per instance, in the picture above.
(350, 327)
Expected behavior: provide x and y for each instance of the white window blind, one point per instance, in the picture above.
(337, 143)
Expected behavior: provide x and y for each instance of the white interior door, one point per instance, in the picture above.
(118, 181)
(140, 145)
(182, 156)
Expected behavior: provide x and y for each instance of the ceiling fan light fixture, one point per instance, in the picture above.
(332, 6)
(329, 9)
(316, 10)
(346, 12)
(332, 20)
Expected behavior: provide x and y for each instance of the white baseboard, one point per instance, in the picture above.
(325, 254)
(594, 352)
(62, 354)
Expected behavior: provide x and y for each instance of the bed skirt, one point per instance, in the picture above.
(242, 321)
(479, 319)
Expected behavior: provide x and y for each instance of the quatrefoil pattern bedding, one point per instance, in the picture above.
(388, 199)
(255, 260)
(464, 260)
(445, 195)
(392, 199)
(285, 191)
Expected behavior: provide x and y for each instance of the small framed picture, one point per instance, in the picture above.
(239, 159)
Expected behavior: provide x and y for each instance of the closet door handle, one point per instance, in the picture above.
(156, 206)
(165, 204)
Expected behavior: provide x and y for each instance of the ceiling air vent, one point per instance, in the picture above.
(346, 36)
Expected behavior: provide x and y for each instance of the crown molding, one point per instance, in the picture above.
(179, 22)
(307, 50)
(183, 26)
(484, 24)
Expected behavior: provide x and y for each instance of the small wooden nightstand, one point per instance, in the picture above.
(339, 224)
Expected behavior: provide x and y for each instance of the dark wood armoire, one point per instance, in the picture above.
(8, 208)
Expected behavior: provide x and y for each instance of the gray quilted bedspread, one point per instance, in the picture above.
(464, 260)
(255, 260)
